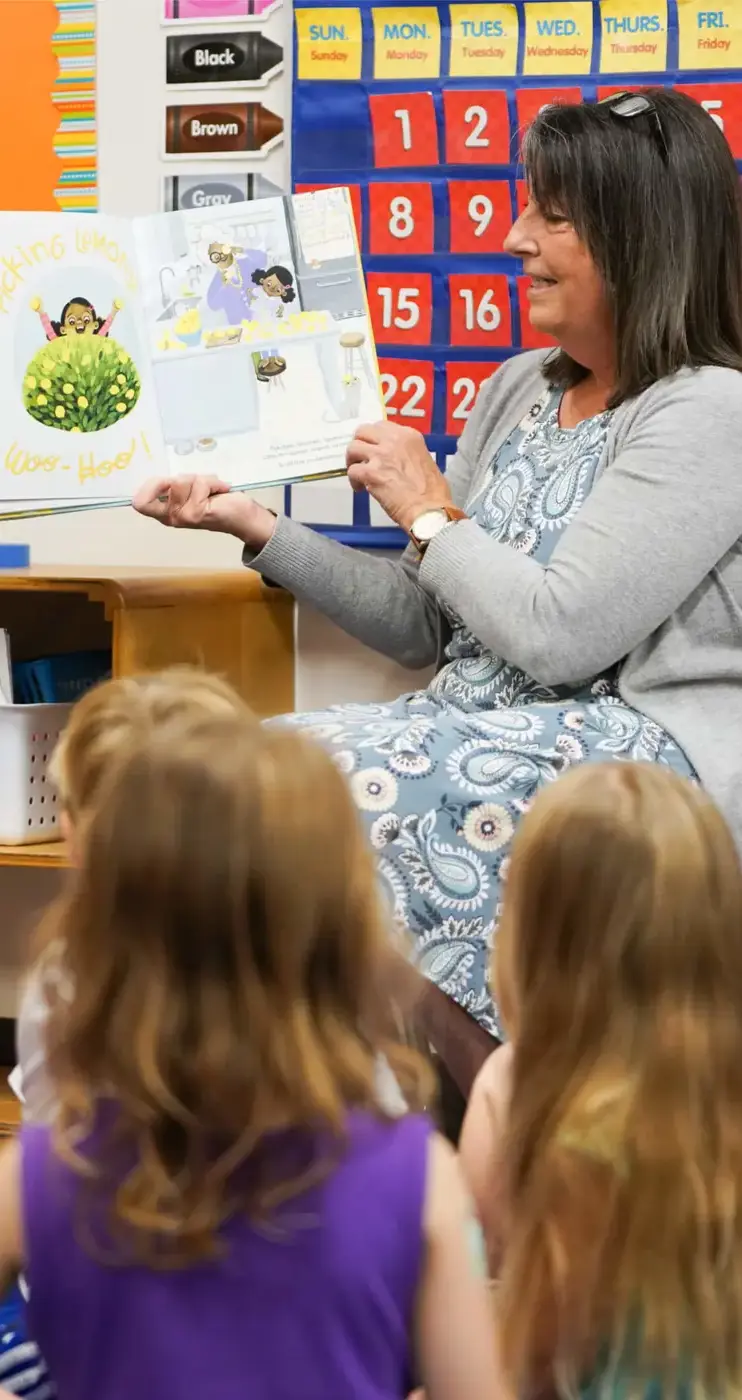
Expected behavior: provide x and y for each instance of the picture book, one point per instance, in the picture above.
(232, 340)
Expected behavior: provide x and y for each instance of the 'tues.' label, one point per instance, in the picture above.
(329, 45)
(559, 37)
(407, 43)
(709, 37)
(484, 40)
(633, 36)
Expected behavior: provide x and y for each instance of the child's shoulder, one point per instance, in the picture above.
(494, 1080)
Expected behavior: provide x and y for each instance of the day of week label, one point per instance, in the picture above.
(709, 38)
(633, 40)
(559, 37)
(407, 43)
(329, 44)
(484, 40)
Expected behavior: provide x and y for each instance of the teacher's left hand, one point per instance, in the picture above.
(395, 467)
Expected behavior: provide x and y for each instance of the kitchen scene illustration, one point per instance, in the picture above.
(257, 321)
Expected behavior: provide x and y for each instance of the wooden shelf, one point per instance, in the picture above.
(47, 855)
(225, 621)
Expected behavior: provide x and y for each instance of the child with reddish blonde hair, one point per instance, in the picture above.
(603, 1144)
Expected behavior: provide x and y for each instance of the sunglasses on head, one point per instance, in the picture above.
(626, 105)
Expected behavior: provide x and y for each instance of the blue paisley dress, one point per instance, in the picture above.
(442, 775)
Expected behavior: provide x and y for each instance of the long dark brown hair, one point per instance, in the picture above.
(619, 971)
(226, 958)
(661, 215)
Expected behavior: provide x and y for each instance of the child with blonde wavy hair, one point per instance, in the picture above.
(107, 717)
(603, 1144)
(222, 1207)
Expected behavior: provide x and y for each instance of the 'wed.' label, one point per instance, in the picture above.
(407, 43)
(559, 37)
(633, 36)
(329, 44)
(484, 41)
(709, 38)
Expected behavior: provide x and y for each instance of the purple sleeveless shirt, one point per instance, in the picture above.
(322, 1310)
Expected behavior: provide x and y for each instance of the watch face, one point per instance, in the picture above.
(428, 524)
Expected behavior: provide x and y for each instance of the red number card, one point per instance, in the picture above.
(530, 338)
(404, 129)
(723, 102)
(481, 214)
(463, 381)
(480, 309)
(355, 199)
(408, 387)
(529, 102)
(401, 218)
(401, 306)
(477, 127)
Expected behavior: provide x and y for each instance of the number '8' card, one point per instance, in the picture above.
(421, 109)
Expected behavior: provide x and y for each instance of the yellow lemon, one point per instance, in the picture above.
(82, 402)
(30, 382)
(68, 388)
(41, 400)
(75, 430)
(121, 408)
(114, 389)
(129, 394)
(59, 411)
(120, 378)
(46, 384)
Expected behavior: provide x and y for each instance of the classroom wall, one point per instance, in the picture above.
(330, 667)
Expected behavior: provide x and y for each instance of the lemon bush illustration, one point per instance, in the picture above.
(81, 385)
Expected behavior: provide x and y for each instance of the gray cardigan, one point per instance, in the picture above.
(650, 571)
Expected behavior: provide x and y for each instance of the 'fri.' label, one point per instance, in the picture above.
(709, 37)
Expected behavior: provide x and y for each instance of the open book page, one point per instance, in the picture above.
(79, 422)
(258, 333)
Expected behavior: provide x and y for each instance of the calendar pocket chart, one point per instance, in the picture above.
(420, 110)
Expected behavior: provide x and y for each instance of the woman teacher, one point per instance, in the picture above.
(577, 573)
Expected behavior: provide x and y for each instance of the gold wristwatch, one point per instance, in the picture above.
(430, 523)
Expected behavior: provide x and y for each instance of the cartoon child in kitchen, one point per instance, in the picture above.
(275, 290)
(79, 317)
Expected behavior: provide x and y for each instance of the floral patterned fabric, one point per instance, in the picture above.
(442, 776)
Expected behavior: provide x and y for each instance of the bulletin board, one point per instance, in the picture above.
(47, 105)
(418, 108)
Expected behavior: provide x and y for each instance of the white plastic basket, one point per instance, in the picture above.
(29, 809)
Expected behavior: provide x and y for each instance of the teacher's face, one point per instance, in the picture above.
(566, 292)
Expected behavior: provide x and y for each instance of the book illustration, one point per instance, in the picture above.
(224, 128)
(214, 191)
(126, 346)
(175, 10)
(82, 380)
(240, 60)
(258, 302)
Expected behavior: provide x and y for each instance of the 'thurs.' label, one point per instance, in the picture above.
(407, 43)
(329, 44)
(633, 36)
(710, 38)
(484, 40)
(559, 37)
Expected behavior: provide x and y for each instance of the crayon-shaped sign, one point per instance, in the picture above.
(235, 59)
(214, 191)
(218, 9)
(223, 127)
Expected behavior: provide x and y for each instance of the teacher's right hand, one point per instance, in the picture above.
(205, 503)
